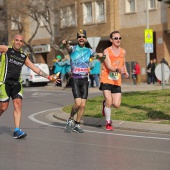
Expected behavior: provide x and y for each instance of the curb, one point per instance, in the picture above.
(118, 124)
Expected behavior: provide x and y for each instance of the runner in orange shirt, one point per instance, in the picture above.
(110, 78)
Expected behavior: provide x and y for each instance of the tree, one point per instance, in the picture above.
(165, 1)
(39, 12)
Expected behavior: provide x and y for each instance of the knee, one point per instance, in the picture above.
(116, 105)
(82, 106)
(3, 109)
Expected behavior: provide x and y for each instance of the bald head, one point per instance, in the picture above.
(18, 42)
(20, 36)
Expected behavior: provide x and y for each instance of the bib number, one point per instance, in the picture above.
(113, 76)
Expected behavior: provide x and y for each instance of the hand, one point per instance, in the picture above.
(55, 78)
(64, 42)
(3, 49)
(100, 54)
(126, 74)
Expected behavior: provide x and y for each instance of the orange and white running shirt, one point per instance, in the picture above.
(111, 77)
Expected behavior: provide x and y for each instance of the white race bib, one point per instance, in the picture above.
(113, 75)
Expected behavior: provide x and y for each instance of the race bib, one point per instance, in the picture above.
(113, 76)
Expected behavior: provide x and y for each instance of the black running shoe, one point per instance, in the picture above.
(78, 129)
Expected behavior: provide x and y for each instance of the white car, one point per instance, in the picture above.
(29, 77)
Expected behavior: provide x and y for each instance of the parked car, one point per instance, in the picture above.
(29, 77)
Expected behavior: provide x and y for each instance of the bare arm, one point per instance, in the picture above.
(125, 70)
(108, 62)
(3, 48)
(67, 46)
(37, 70)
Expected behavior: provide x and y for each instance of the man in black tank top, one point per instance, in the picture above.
(11, 62)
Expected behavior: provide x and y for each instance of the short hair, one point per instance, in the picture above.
(114, 32)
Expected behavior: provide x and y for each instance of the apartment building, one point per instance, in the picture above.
(99, 18)
(3, 25)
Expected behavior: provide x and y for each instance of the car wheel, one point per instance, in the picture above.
(28, 84)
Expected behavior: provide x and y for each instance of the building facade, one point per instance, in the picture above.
(99, 18)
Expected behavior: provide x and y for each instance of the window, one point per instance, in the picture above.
(87, 13)
(94, 12)
(100, 11)
(68, 16)
(130, 5)
(152, 4)
(15, 20)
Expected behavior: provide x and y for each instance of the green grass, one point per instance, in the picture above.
(145, 106)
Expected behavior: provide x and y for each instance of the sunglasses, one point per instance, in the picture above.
(116, 38)
(81, 37)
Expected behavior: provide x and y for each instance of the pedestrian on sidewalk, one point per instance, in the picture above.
(94, 65)
(12, 60)
(79, 59)
(110, 78)
(137, 72)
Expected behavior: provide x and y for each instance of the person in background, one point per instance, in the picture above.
(110, 77)
(155, 63)
(151, 72)
(79, 59)
(137, 73)
(91, 76)
(68, 73)
(58, 68)
(95, 71)
(12, 60)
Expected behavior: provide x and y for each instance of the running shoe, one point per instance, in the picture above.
(19, 134)
(103, 106)
(109, 125)
(69, 125)
(78, 129)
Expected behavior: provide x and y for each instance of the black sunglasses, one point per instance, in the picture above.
(116, 38)
(81, 37)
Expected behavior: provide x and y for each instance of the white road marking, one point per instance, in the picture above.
(32, 117)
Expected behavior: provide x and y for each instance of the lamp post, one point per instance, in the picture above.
(147, 27)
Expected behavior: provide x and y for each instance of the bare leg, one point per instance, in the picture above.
(3, 107)
(81, 110)
(75, 107)
(17, 112)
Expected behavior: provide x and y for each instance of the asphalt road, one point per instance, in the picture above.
(48, 147)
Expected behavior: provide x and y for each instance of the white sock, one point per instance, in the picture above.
(107, 113)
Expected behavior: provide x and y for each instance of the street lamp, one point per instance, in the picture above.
(147, 27)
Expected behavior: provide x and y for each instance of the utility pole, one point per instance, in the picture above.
(147, 27)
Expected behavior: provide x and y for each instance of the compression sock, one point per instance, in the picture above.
(107, 113)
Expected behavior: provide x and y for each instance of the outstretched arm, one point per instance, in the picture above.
(37, 70)
(66, 45)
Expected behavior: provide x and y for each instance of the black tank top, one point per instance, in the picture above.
(15, 60)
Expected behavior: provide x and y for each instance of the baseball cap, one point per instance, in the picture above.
(81, 32)
(58, 57)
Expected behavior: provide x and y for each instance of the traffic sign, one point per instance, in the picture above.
(148, 48)
(148, 36)
(94, 41)
(159, 71)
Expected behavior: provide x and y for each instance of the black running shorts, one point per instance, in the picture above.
(10, 90)
(80, 87)
(110, 87)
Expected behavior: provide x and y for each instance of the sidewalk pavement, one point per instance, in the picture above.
(152, 127)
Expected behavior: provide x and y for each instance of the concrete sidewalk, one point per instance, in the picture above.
(153, 127)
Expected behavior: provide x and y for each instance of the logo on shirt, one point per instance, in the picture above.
(22, 55)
